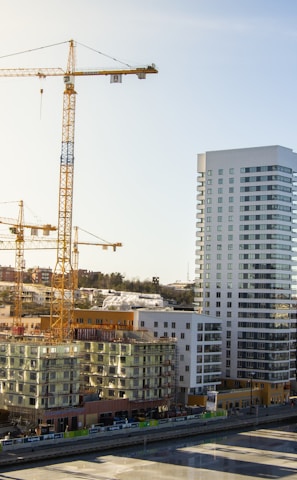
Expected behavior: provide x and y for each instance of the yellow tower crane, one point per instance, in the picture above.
(17, 228)
(104, 244)
(62, 280)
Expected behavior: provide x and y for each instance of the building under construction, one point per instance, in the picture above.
(42, 382)
(51, 372)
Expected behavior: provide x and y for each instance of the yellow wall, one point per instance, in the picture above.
(103, 319)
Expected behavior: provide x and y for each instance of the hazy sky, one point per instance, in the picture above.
(227, 79)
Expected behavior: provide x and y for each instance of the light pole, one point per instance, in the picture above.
(252, 374)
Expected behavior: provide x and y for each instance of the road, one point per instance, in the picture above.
(269, 453)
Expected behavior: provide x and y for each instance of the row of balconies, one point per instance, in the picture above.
(105, 371)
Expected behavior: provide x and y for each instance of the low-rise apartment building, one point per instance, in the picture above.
(42, 381)
(36, 376)
(133, 365)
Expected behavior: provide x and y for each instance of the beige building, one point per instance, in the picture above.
(134, 365)
(38, 376)
(42, 381)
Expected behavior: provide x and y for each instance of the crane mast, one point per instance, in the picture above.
(17, 228)
(19, 270)
(62, 278)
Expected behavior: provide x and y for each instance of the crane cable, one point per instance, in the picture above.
(32, 50)
(62, 43)
(104, 54)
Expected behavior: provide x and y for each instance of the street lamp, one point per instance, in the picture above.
(252, 374)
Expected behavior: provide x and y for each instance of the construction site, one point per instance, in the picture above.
(63, 373)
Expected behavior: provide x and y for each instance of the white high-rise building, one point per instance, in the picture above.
(245, 259)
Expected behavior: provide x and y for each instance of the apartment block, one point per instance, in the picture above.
(198, 342)
(132, 365)
(38, 376)
(245, 258)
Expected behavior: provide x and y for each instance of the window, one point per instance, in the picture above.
(182, 335)
(187, 348)
(188, 326)
(155, 324)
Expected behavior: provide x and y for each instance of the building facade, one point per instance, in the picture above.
(132, 366)
(245, 258)
(38, 376)
(199, 344)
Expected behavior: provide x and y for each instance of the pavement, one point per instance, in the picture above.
(121, 438)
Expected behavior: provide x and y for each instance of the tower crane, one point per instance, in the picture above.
(62, 280)
(19, 242)
(75, 252)
(17, 227)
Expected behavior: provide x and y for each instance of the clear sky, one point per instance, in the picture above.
(227, 79)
